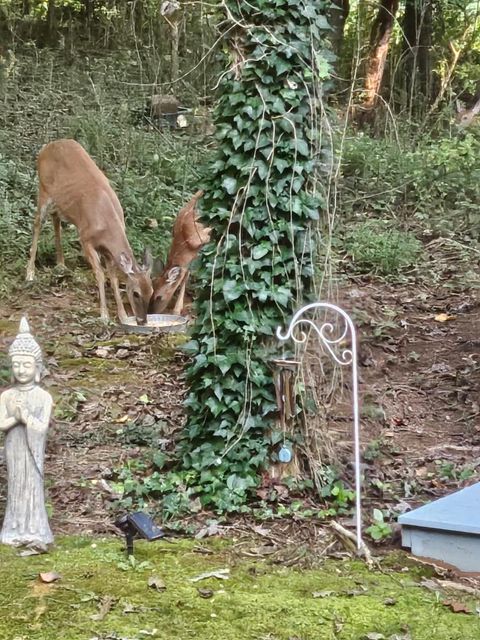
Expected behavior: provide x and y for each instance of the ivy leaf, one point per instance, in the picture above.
(323, 67)
(260, 251)
(281, 164)
(232, 289)
(301, 147)
(230, 185)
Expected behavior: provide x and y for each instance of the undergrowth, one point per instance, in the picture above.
(153, 171)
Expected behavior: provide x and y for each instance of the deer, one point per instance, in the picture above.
(73, 188)
(465, 117)
(188, 237)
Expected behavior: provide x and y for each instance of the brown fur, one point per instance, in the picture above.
(72, 188)
(189, 236)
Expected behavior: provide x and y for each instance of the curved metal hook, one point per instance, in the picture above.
(327, 336)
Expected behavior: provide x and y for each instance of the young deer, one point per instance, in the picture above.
(465, 117)
(189, 236)
(72, 187)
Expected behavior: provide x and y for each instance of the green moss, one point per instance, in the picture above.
(257, 601)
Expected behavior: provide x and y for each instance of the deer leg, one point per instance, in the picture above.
(113, 277)
(94, 260)
(177, 309)
(42, 208)
(57, 225)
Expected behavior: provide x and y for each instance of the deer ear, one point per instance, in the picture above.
(173, 275)
(147, 260)
(125, 263)
(158, 266)
(459, 105)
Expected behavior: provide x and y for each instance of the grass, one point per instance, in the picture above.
(101, 595)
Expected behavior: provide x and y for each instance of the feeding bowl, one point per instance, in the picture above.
(156, 323)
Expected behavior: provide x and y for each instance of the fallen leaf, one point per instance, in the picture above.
(458, 586)
(373, 636)
(221, 574)
(455, 606)
(351, 593)
(205, 593)
(50, 576)
(123, 419)
(444, 317)
(102, 352)
(154, 582)
(211, 530)
(104, 607)
(323, 594)
(389, 602)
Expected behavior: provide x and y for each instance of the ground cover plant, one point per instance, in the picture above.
(88, 589)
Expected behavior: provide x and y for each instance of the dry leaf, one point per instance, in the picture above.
(205, 593)
(104, 606)
(444, 317)
(50, 576)
(154, 582)
(455, 606)
(221, 574)
(323, 594)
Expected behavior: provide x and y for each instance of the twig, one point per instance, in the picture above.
(349, 537)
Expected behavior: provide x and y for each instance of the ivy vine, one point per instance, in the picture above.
(262, 201)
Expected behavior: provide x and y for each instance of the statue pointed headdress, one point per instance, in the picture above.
(25, 344)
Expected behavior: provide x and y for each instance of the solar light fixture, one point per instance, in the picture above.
(138, 525)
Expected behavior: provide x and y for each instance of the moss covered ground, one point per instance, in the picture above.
(101, 595)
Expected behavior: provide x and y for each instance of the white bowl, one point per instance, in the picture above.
(156, 323)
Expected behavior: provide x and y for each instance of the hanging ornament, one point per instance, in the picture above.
(285, 454)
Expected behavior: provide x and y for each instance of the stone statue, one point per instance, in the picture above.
(24, 417)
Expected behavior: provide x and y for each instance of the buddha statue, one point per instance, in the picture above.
(25, 410)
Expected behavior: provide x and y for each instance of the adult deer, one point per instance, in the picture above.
(72, 187)
(189, 236)
(465, 117)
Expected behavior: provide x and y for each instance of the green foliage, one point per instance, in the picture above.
(451, 471)
(16, 209)
(261, 202)
(376, 247)
(435, 182)
(380, 529)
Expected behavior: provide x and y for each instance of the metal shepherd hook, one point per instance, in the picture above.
(326, 334)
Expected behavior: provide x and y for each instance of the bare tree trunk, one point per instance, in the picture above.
(337, 17)
(417, 30)
(174, 72)
(379, 42)
(88, 5)
(51, 22)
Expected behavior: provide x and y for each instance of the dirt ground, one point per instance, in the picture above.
(420, 384)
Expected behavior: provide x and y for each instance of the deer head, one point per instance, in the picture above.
(189, 236)
(165, 286)
(138, 284)
(465, 117)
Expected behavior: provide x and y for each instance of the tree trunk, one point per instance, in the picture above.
(174, 70)
(337, 17)
(417, 30)
(379, 42)
(51, 22)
